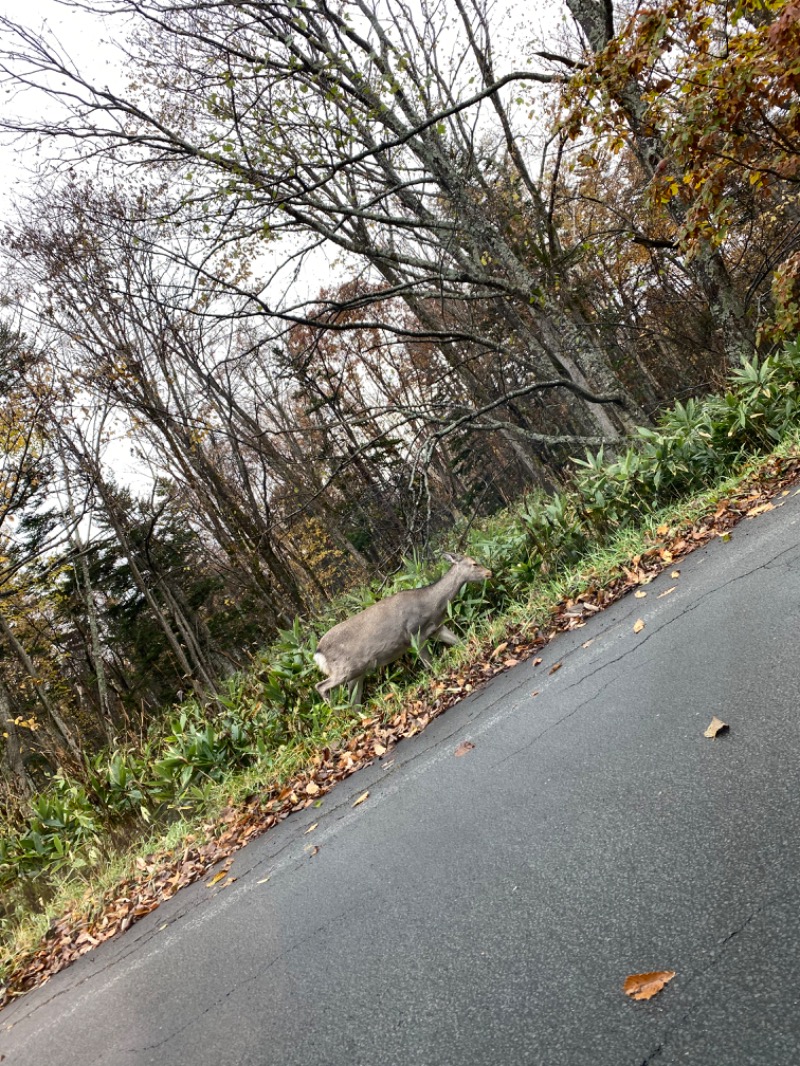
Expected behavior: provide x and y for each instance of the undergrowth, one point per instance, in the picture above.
(264, 725)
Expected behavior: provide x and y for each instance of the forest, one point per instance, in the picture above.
(314, 288)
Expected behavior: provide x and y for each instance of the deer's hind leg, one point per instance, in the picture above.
(446, 636)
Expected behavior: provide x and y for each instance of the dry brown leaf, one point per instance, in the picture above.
(640, 594)
(554, 667)
(313, 850)
(662, 530)
(716, 727)
(675, 573)
(379, 749)
(215, 880)
(638, 625)
(500, 648)
(666, 592)
(361, 798)
(760, 509)
(312, 788)
(646, 985)
(586, 643)
(464, 747)
(311, 828)
(537, 662)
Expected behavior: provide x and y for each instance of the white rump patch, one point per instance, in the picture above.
(321, 662)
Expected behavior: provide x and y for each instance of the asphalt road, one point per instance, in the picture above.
(486, 909)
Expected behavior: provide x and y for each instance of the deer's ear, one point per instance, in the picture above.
(450, 557)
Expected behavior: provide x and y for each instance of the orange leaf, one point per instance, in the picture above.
(361, 798)
(646, 985)
(638, 625)
(716, 727)
(464, 747)
(215, 880)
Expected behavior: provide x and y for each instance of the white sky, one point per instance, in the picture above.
(82, 37)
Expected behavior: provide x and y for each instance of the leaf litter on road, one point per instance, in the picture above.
(716, 727)
(464, 748)
(646, 985)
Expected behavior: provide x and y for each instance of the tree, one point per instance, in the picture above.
(350, 131)
(698, 91)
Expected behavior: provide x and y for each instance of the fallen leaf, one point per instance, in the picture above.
(554, 667)
(312, 851)
(662, 530)
(537, 662)
(379, 750)
(760, 509)
(215, 880)
(716, 727)
(311, 828)
(675, 573)
(666, 592)
(312, 788)
(536, 693)
(500, 648)
(640, 594)
(646, 985)
(464, 747)
(638, 625)
(230, 881)
(510, 662)
(361, 798)
(586, 643)
(264, 880)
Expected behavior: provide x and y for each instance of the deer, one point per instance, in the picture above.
(377, 636)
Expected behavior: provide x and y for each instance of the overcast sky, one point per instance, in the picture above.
(80, 36)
